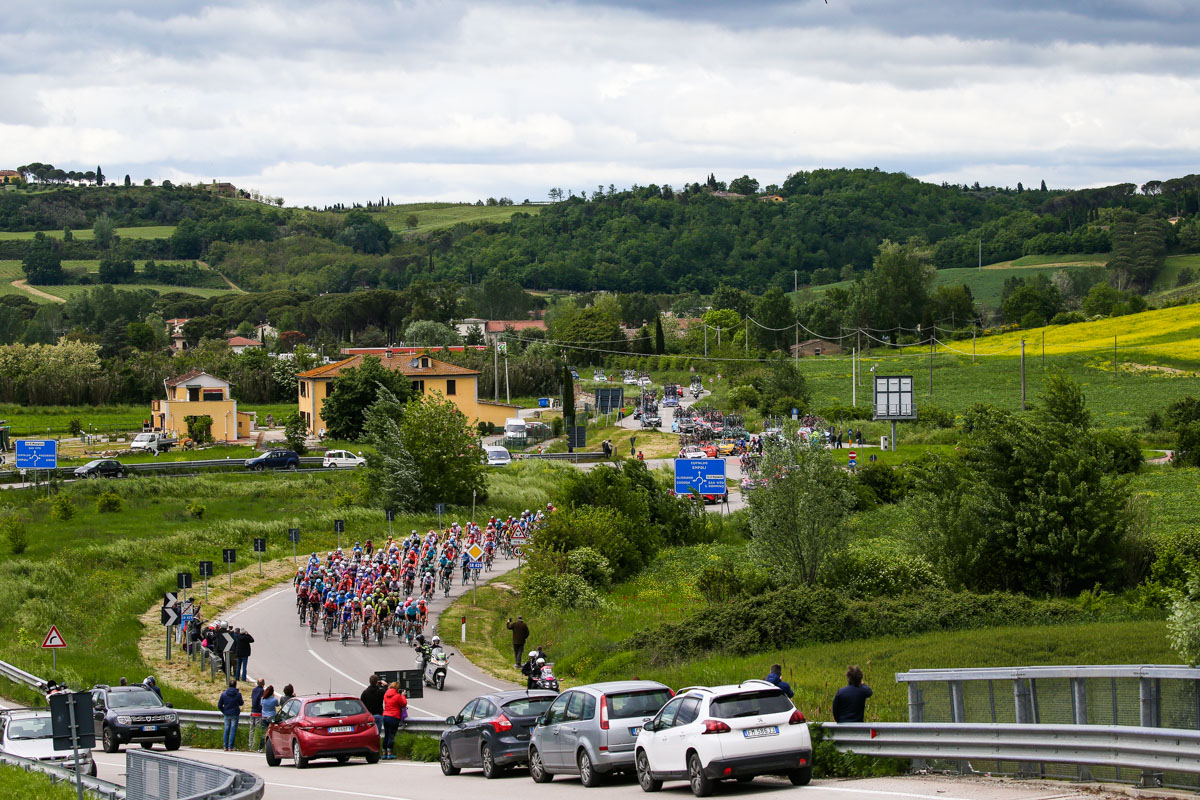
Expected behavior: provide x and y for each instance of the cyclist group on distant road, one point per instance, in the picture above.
(357, 594)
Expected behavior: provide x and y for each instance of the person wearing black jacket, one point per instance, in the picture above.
(850, 702)
(242, 650)
(372, 698)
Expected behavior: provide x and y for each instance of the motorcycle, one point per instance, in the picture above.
(436, 668)
(546, 679)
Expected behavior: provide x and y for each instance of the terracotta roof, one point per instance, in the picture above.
(9, 173)
(242, 341)
(187, 376)
(498, 325)
(400, 362)
(494, 403)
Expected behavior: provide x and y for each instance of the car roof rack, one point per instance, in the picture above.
(687, 689)
(758, 680)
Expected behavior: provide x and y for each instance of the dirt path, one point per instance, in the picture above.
(23, 286)
(232, 285)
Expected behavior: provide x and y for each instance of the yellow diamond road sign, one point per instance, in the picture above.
(475, 552)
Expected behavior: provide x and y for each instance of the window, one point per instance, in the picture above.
(582, 706)
(637, 704)
(688, 711)
(193, 394)
(304, 388)
(528, 707)
(666, 717)
(750, 704)
(419, 387)
(425, 363)
(468, 712)
(484, 709)
(558, 709)
(335, 708)
(450, 387)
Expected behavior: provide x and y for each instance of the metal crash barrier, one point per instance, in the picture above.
(158, 776)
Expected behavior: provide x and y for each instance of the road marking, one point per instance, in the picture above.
(256, 602)
(468, 677)
(336, 791)
(889, 794)
(354, 680)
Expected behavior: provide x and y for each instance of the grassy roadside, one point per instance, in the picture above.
(16, 782)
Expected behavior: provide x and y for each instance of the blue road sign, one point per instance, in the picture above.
(475, 565)
(704, 475)
(37, 454)
(853, 463)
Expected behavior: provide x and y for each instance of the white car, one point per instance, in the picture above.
(705, 735)
(343, 459)
(497, 456)
(26, 732)
(645, 380)
(692, 452)
(630, 380)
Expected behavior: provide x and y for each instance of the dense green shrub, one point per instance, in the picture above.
(878, 566)
(888, 484)
(61, 508)
(723, 581)
(13, 528)
(194, 509)
(1124, 447)
(109, 501)
(1176, 555)
(933, 417)
(589, 564)
(563, 591)
(1067, 318)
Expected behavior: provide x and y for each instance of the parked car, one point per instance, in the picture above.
(128, 714)
(496, 456)
(329, 726)
(630, 380)
(705, 735)
(343, 459)
(691, 451)
(590, 730)
(153, 442)
(599, 375)
(102, 468)
(274, 459)
(27, 732)
(492, 731)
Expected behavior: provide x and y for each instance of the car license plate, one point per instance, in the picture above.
(754, 733)
(635, 731)
(149, 727)
(342, 729)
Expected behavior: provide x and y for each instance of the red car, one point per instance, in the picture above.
(322, 727)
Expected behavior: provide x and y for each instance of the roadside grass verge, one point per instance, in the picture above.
(17, 783)
(54, 421)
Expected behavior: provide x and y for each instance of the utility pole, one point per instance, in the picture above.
(981, 253)
(496, 371)
(931, 340)
(507, 394)
(1115, 365)
(705, 340)
(795, 280)
(972, 342)
(796, 354)
(1043, 348)
(1022, 374)
(854, 377)
(747, 335)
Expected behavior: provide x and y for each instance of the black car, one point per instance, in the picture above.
(102, 468)
(274, 459)
(127, 714)
(492, 731)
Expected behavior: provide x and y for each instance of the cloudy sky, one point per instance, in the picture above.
(323, 102)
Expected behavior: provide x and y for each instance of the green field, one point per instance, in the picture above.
(16, 782)
(85, 234)
(10, 271)
(432, 216)
(1085, 259)
(54, 421)
(1169, 275)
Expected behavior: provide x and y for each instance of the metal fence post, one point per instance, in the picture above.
(1079, 707)
(958, 714)
(916, 713)
(1023, 705)
(1150, 717)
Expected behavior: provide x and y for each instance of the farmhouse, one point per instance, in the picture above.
(815, 347)
(196, 394)
(240, 344)
(429, 376)
(9, 176)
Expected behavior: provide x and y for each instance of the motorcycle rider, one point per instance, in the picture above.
(530, 671)
(426, 650)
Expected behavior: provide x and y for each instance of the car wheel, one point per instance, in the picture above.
(372, 758)
(93, 474)
(173, 741)
(701, 785)
(269, 751)
(800, 777)
(92, 769)
(587, 772)
(109, 740)
(292, 467)
(537, 770)
(147, 745)
(343, 759)
(645, 778)
(300, 761)
(448, 767)
(490, 768)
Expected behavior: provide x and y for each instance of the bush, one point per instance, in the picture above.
(888, 484)
(75, 427)
(1124, 448)
(933, 417)
(415, 747)
(109, 501)
(13, 528)
(1032, 319)
(61, 508)
(722, 582)
(743, 397)
(566, 591)
(878, 567)
(1067, 318)
(295, 432)
(1154, 422)
(1176, 555)
(194, 509)
(590, 565)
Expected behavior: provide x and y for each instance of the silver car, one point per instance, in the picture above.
(590, 731)
(27, 732)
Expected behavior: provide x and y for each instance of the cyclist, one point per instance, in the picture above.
(422, 612)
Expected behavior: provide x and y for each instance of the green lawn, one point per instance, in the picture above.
(431, 216)
(143, 232)
(1169, 275)
(69, 291)
(16, 782)
(54, 420)
(1094, 259)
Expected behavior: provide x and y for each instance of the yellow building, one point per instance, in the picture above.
(195, 394)
(9, 176)
(429, 376)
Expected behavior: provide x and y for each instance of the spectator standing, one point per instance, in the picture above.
(230, 705)
(152, 685)
(395, 709)
(632, 447)
(372, 698)
(270, 707)
(244, 640)
(288, 694)
(850, 702)
(520, 634)
(775, 676)
(256, 716)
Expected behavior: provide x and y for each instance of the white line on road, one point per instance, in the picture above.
(468, 677)
(352, 679)
(323, 790)
(256, 602)
(879, 793)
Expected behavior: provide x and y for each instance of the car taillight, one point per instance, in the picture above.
(796, 718)
(308, 728)
(715, 726)
(501, 724)
(603, 712)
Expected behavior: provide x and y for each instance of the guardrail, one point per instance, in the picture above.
(61, 774)
(562, 456)
(158, 776)
(214, 720)
(314, 464)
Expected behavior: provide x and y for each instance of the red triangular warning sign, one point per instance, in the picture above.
(54, 638)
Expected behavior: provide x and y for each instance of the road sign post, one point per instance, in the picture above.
(229, 556)
(170, 617)
(71, 727)
(206, 571)
(260, 547)
(464, 628)
(339, 527)
(54, 642)
(391, 515)
(440, 508)
(853, 459)
(294, 538)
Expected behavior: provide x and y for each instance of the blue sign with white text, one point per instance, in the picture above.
(37, 454)
(704, 475)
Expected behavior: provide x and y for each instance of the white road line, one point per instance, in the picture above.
(336, 791)
(256, 602)
(354, 680)
(468, 677)
(880, 793)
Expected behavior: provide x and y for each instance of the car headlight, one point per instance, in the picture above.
(123, 720)
(173, 718)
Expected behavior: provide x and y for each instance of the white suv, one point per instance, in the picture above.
(705, 735)
(28, 733)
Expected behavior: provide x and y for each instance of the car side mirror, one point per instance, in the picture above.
(451, 720)
(650, 726)
(170, 705)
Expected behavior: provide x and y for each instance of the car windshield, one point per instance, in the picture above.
(497, 452)
(139, 698)
(645, 703)
(143, 437)
(750, 704)
(32, 728)
(94, 463)
(528, 706)
(335, 708)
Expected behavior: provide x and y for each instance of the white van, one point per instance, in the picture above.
(515, 428)
(496, 456)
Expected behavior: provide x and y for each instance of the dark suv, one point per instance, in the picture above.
(274, 459)
(127, 714)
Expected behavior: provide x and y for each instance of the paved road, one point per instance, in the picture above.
(284, 652)
(403, 780)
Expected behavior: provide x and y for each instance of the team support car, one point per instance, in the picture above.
(334, 726)
(274, 459)
(590, 730)
(128, 714)
(27, 732)
(102, 468)
(343, 459)
(708, 734)
(492, 731)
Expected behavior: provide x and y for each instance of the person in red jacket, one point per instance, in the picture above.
(395, 710)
